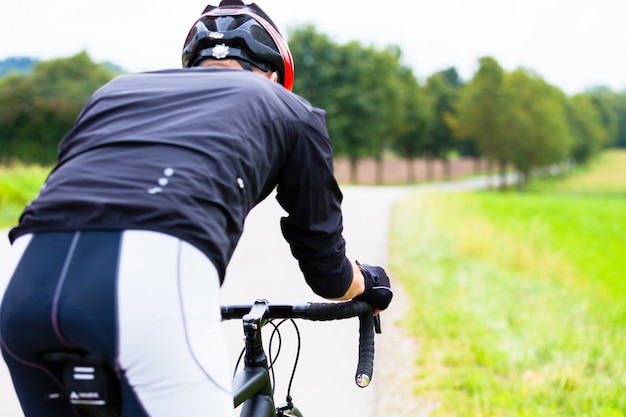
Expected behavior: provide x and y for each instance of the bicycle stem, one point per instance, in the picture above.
(252, 324)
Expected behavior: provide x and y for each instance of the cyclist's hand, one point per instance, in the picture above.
(377, 287)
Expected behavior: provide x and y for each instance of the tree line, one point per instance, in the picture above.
(39, 107)
(375, 107)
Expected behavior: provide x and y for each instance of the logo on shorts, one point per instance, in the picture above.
(84, 395)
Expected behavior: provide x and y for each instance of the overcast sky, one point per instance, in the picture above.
(573, 44)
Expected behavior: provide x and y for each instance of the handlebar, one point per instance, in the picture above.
(325, 312)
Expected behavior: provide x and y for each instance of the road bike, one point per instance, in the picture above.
(91, 386)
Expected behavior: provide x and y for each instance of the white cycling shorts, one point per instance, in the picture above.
(170, 338)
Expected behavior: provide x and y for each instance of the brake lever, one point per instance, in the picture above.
(377, 327)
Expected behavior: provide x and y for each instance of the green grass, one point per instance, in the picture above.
(19, 184)
(605, 176)
(519, 301)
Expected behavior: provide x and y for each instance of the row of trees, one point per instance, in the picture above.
(38, 108)
(375, 106)
(518, 119)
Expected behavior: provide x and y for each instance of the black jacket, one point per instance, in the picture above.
(189, 152)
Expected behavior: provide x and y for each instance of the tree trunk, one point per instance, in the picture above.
(477, 164)
(503, 184)
(411, 170)
(430, 169)
(379, 171)
(447, 168)
(488, 170)
(354, 167)
(522, 180)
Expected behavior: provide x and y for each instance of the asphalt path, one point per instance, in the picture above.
(262, 267)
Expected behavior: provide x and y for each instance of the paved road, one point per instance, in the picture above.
(263, 267)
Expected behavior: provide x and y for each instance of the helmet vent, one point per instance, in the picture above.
(262, 36)
(226, 23)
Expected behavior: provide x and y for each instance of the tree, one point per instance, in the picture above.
(351, 125)
(361, 89)
(388, 80)
(325, 76)
(18, 109)
(410, 139)
(37, 109)
(606, 103)
(620, 109)
(537, 132)
(588, 132)
(316, 60)
(442, 88)
(481, 110)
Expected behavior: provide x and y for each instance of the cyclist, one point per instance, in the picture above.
(123, 251)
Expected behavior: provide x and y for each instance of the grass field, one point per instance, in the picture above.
(519, 301)
(18, 185)
(605, 176)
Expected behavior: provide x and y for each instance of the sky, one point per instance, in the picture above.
(572, 44)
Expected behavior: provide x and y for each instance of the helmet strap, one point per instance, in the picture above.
(245, 64)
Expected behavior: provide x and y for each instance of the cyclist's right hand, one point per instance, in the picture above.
(377, 286)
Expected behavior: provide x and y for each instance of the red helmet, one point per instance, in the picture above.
(241, 30)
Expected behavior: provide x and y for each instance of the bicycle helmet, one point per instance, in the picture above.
(239, 29)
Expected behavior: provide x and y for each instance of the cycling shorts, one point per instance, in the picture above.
(145, 302)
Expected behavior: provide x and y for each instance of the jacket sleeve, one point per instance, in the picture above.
(309, 193)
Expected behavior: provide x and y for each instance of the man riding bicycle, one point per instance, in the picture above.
(122, 253)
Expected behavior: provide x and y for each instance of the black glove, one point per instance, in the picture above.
(377, 287)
